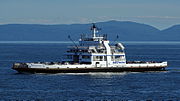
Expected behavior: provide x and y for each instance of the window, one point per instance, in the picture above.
(86, 57)
(97, 62)
(98, 58)
(101, 58)
(93, 51)
(112, 57)
(117, 58)
(105, 58)
(69, 56)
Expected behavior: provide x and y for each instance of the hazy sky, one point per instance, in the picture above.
(158, 13)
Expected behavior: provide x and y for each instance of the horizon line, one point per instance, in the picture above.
(69, 42)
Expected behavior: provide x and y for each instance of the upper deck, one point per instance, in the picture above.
(95, 43)
(92, 39)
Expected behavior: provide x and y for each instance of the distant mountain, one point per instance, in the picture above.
(172, 33)
(127, 31)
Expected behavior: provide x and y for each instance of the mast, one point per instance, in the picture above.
(94, 30)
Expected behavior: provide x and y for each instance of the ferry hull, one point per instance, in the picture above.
(87, 70)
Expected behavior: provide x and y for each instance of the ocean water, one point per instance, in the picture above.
(89, 86)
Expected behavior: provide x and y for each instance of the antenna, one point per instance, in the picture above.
(117, 37)
(69, 37)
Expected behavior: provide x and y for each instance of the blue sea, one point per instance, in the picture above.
(89, 86)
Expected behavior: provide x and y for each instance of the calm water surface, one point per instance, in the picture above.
(89, 86)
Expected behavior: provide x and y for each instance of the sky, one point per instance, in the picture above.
(158, 13)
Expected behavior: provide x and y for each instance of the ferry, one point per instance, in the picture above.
(93, 53)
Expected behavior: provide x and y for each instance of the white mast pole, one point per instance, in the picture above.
(94, 32)
(93, 28)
